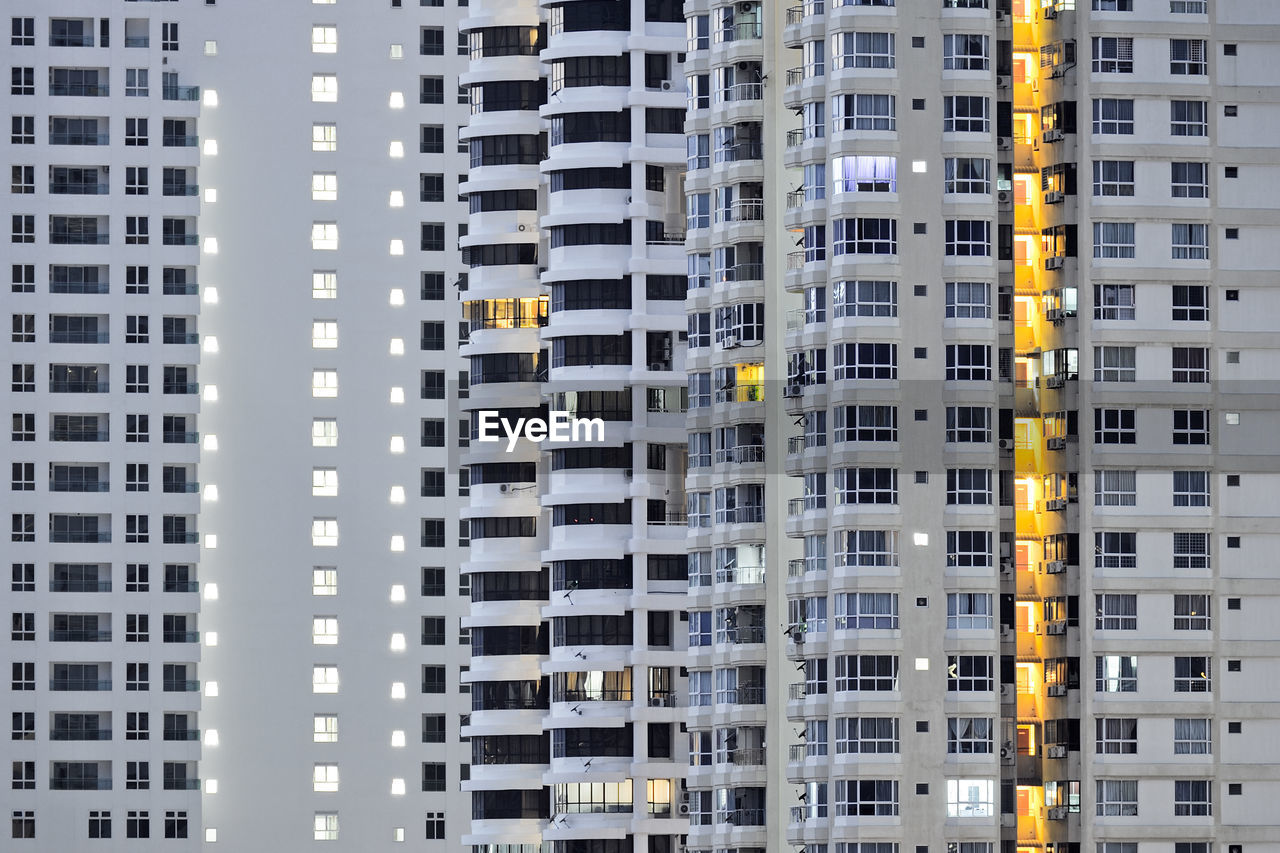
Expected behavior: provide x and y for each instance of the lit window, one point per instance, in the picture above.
(324, 236)
(397, 199)
(324, 532)
(397, 690)
(324, 631)
(324, 580)
(324, 87)
(210, 97)
(396, 149)
(324, 679)
(970, 798)
(326, 823)
(397, 51)
(326, 728)
(324, 334)
(324, 778)
(324, 383)
(397, 738)
(397, 787)
(324, 186)
(324, 482)
(324, 39)
(324, 432)
(210, 48)
(324, 285)
(396, 101)
(324, 137)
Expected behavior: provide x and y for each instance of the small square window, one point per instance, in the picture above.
(1233, 357)
(1233, 666)
(1233, 479)
(922, 726)
(917, 103)
(921, 352)
(1233, 234)
(917, 41)
(922, 414)
(1232, 296)
(922, 476)
(1230, 110)
(1231, 172)
(921, 290)
(922, 787)
(919, 228)
(922, 602)
(1235, 789)
(1228, 50)
(1233, 542)
(1235, 728)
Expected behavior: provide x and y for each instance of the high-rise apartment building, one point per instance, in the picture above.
(103, 653)
(913, 329)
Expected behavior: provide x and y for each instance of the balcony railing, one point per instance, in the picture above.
(181, 586)
(78, 435)
(181, 388)
(741, 454)
(742, 92)
(80, 287)
(78, 337)
(746, 635)
(80, 734)
(668, 238)
(79, 138)
(182, 488)
(747, 272)
(180, 141)
(796, 690)
(82, 40)
(748, 210)
(181, 784)
(181, 537)
(63, 536)
(671, 517)
(182, 734)
(79, 486)
(137, 41)
(180, 239)
(78, 238)
(180, 288)
(182, 93)
(96, 685)
(750, 695)
(57, 386)
(743, 151)
(91, 784)
(181, 686)
(64, 636)
(742, 817)
(795, 76)
(181, 437)
(749, 393)
(747, 757)
(181, 338)
(795, 260)
(80, 90)
(181, 189)
(78, 188)
(182, 636)
(79, 586)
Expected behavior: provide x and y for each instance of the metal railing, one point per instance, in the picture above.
(182, 93)
(78, 435)
(79, 138)
(743, 92)
(176, 140)
(78, 188)
(65, 636)
(747, 210)
(79, 684)
(80, 90)
(747, 272)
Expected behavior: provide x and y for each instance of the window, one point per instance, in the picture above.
(137, 824)
(970, 673)
(432, 236)
(1192, 797)
(1192, 674)
(324, 778)
(1114, 426)
(23, 180)
(324, 334)
(1191, 550)
(324, 580)
(24, 32)
(966, 114)
(968, 486)
(1190, 364)
(169, 35)
(433, 776)
(324, 88)
(1116, 612)
(867, 485)
(1191, 426)
(970, 798)
(968, 238)
(860, 611)
(866, 736)
(866, 672)
(99, 824)
(970, 735)
(24, 229)
(1117, 797)
(23, 81)
(1113, 239)
(968, 300)
(431, 139)
(324, 186)
(23, 824)
(324, 631)
(431, 90)
(1113, 177)
(324, 136)
(1188, 56)
(1190, 488)
(965, 52)
(1192, 736)
(325, 826)
(968, 362)
(324, 383)
(324, 532)
(1188, 118)
(1191, 612)
(1114, 364)
(1115, 488)
(1190, 240)
(324, 236)
(1189, 180)
(864, 112)
(324, 39)
(970, 611)
(175, 824)
(324, 679)
(324, 432)
(1112, 55)
(865, 298)
(1112, 116)
(435, 826)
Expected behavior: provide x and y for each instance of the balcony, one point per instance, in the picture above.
(79, 585)
(79, 486)
(181, 437)
(742, 92)
(180, 537)
(181, 686)
(182, 636)
(182, 388)
(79, 138)
(80, 90)
(180, 141)
(79, 636)
(748, 210)
(182, 93)
(181, 189)
(71, 40)
(666, 238)
(742, 817)
(181, 338)
(180, 288)
(746, 635)
(90, 784)
(182, 734)
(747, 757)
(78, 336)
(181, 586)
(180, 239)
(137, 41)
(741, 454)
(183, 784)
(80, 287)
(79, 536)
(181, 487)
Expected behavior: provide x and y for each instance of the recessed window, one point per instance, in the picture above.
(324, 334)
(324, 87)
(324, 285)
(324, 383)
(324, 39)
(324, 679)
(324, 580)
(324, 137)
(324, 778)
(324, 186)
(324, 532)
(324, 432)
(324, 236)
(324, 631)
(324, 482)
(325, 728)
(326, 823)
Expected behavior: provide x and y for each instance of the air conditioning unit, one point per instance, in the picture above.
(1057, 71)
(1004, 197)
(666, 85)
(1050, 13)
(1055, 262)
(746, 7)
(1001, 16)
(1007, 753)
(1005, 445)
(657, 365)
(1056, 442)
(627, 473)
(1006, 567)
(1055, 315)
(1006, 634)
(1056, 380)
(1058, 813)
(1055, 504)
(1055, 629)
(1006, 692)
(793, 391)
(684, 809)
(504, 488)
(1056, 690)
(1004, 81)
(1054, 567)
(729, 342)
(1004, 143)
(1053, 197)
(521, 227)
(744, 66)
(1056, 751)
(1053, 135)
